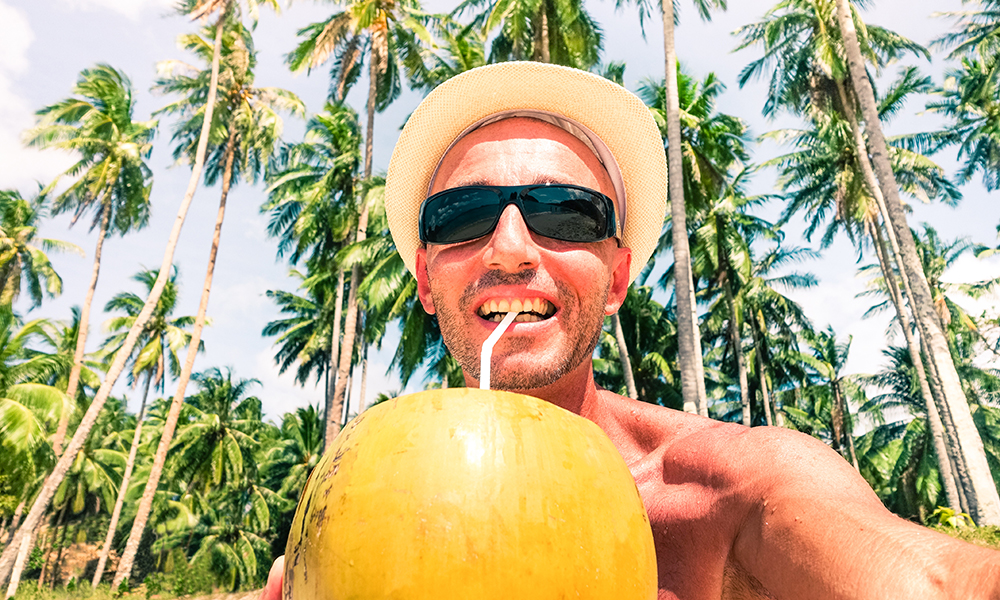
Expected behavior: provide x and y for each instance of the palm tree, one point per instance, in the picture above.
(826, 181)
(984, 501)
(546, 31)
(95, 477)
(248, 128)
(459, 48)
(708, 147)
(23, 262)
(689, 340)
(775, 321)
(651, 337)
(969, 101)
(289, 462)
(114, 182)
(828, 359)
(722, 255)
(162, 340)
(27, 409)
(311, 200)
(196, 9)
(214, 457)
(386, 30)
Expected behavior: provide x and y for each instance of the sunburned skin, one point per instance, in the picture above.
(736, 513)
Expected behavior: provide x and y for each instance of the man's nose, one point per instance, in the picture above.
(511, 247)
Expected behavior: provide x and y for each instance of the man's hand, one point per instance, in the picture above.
(272, 591)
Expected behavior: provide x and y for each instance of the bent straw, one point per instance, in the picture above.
(487, 351)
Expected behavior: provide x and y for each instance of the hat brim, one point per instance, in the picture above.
(615, 115)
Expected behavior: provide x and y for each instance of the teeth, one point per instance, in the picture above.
(530, 309)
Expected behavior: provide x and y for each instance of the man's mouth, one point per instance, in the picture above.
(529, 310)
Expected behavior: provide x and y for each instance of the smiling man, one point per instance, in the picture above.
(541, 190)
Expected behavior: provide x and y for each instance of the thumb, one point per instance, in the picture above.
(272, 591)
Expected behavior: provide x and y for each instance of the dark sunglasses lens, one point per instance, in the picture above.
(459, 215)
(566, 213)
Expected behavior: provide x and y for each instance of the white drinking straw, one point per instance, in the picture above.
(487, 352)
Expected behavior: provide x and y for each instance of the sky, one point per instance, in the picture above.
(44, 44)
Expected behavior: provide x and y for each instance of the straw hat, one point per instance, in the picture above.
(606, 113)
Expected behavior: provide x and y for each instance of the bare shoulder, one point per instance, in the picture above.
(745, 461)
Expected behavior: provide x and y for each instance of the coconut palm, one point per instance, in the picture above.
(984, 501)
(561, 33)
(312, 206)
(197, 9)
(23, 262)
(825, 180)
(163, 338)
(246, 132)
(651, 337)
(689, 340)
(710, 147)
(29, 411)
(389, 32)
(459, 48)
(289, 462)
(969, 99)
(114, 181)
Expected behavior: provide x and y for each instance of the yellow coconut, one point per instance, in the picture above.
(470, 494)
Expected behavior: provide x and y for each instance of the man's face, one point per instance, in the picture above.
(577, 284)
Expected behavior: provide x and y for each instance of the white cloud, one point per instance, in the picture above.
(20, 166)
(129, 8)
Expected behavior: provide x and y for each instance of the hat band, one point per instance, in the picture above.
(577, 130)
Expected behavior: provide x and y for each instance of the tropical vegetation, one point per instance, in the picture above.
(182, 482)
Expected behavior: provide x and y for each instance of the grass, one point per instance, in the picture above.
(988, 537)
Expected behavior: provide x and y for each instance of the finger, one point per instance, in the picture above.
(272, 591)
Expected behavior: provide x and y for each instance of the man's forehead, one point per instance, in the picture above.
(522, 151)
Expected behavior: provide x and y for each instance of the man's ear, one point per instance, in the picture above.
(423, 281)
(620, 269)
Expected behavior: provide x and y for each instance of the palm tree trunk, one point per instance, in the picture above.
(14, 521)
(331, 378)
(758, 351)
(364, 381)
(58, 473)
(81, 336)
(166, 437)
(23, 550)
(375, 63)
(52, 543)
(960, 469)
(930, 402)
(737, 342)
(623, 357)
(102, 560)
(688, 339)
(541, 53)
(845, 412)
(983, 498)
(933, 418)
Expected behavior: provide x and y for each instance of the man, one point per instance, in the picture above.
(540, 189)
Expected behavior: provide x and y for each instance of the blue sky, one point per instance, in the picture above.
(45, 43)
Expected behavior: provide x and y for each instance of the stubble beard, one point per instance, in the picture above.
(584, 329)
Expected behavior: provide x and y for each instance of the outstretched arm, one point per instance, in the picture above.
(815, 529)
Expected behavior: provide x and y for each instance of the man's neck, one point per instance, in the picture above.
(576, 391)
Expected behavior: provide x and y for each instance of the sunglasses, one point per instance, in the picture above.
(569, 213)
